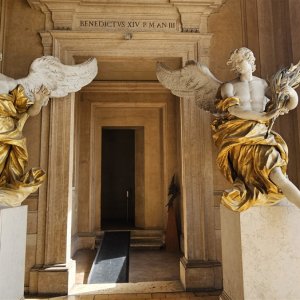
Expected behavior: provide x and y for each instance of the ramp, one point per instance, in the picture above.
(111, 264)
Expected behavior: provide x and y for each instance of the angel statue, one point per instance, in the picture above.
(23, 98)
(251, 156)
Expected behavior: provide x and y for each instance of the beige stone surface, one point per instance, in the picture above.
(128, 288)
(32, 222)
(261, 257)
(2, 29)
(151, 16)
(200, 275)
(13, 221)
(31, 249)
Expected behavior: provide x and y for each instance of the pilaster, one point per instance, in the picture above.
(57, 274)
(199, 268)
(52, 279)
(2, 31)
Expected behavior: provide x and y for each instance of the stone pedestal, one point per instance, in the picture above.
(261, 253)
(13, 224)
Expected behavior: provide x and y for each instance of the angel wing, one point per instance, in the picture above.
(193, 80)
(6, 84)
(58, 78)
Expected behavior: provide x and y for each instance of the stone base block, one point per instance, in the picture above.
(200, 275)
(53, 280)
(261, 253)
(82, 241)
(13, 224)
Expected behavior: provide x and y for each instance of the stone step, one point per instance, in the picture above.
(141, 239)
(147, 239)
(147, 246)
(150, 233)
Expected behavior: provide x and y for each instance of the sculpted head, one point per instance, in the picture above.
(242, 60)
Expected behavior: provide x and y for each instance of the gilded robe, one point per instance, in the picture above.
(246, 157)
(15, 183)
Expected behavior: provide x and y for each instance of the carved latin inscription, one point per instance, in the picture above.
(127, 25)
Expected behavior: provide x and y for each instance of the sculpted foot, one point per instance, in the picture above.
(291, 192)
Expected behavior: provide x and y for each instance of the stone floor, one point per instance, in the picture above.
(154, 274)
(145, 265)
(141, 296)
(153, 265)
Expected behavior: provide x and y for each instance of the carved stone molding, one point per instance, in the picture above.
(127, 16)
(194, 14)
(2, 30)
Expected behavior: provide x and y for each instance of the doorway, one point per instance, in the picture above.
(118, 179)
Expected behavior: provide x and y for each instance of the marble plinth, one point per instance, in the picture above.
(13, 224)
(261, 253)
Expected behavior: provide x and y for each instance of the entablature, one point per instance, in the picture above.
(127, 15)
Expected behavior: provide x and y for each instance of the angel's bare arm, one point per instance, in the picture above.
(41, 98)
(253, 115)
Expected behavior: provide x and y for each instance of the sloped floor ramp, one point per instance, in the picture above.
(111, 264)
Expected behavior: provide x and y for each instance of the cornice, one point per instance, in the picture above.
(103, 15)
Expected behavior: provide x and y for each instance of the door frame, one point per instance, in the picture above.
(143, 211)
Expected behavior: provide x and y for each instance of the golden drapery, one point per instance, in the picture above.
(246, 159)
(15, 184)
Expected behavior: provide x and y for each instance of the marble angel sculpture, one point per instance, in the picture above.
(251, 156)
(20, 99)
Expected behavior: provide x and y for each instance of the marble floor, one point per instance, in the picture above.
(142, 296)
(154, 274)
(145, 265)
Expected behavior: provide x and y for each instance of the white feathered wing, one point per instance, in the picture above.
(193, 80)
(58, 78)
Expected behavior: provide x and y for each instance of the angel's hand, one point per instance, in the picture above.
(283, 110)
(274, 113)
(289, 91)
(41, 96)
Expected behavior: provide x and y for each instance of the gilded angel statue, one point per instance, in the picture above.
(20, 99)
(251, 156)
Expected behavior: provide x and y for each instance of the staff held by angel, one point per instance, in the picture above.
(251, 156)
(23, 98)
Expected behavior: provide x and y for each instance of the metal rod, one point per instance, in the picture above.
(127, 211)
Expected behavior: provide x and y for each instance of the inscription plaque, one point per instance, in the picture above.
(127, 25)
